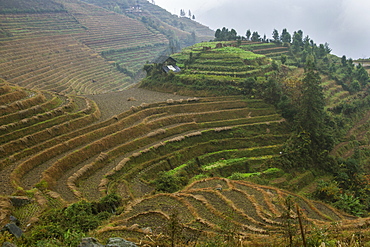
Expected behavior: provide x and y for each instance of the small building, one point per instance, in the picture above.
(135, 9)
(168, 64)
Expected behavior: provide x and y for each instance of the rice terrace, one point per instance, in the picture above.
(123, 124)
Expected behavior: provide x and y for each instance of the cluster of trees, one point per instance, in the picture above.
(255, 36)
(316, 129)
(183, 14)
(225, 34)
(351, 76)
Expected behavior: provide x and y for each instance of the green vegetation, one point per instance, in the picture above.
(319, 118)
(66, 227)
(280, 112)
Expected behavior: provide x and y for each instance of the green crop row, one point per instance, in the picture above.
(221, 67)
(247, 55)
(187, 148)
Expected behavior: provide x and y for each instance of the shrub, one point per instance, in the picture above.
(167, 183)
(350, 204)
(66, 227)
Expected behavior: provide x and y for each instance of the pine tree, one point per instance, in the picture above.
(275, 35)
(311, 118)
(248, 34)
(285, 36)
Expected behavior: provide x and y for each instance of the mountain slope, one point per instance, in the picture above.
(159, 19)
(73, 47)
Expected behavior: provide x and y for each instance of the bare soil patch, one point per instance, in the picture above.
(111, 104)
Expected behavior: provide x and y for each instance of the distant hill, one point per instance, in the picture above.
(30, 6)
(160, 19)
(75, 47)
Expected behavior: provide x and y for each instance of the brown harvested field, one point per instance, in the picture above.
(111, 104)
(217, 206)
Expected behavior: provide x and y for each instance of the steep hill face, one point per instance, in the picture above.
(171, 25)
(73, 47)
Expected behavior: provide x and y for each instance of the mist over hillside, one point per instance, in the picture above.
(343, 24)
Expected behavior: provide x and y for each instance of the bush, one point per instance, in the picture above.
(327, 191)
(168, 183)
(350, 204)
(66, 227)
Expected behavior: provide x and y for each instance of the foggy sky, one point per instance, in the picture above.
(344, 24)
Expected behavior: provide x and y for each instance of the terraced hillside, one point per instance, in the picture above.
(356, 137)
(238, 212)
(78, 163)
(160, 19)
(61, 51)
(73, 47)
(41, 54)
(36, 121)
(271, 50)
(49, 138)
(219, 67)
(53, 147)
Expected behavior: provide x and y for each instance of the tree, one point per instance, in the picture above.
(275, 35)
(264, 38)
(306, 42)
(311, 117)
(355, 86)
(225, 34)
(361, 75)
(193, 17)
(232, 35)
(297, 41)
(218, 34)
(248, 34)
(321, 51)
(327, 48)
(285, 36)
(189, 13)
(256, 37)
(182, 13)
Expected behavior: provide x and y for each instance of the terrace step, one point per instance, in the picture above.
(218, 206)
